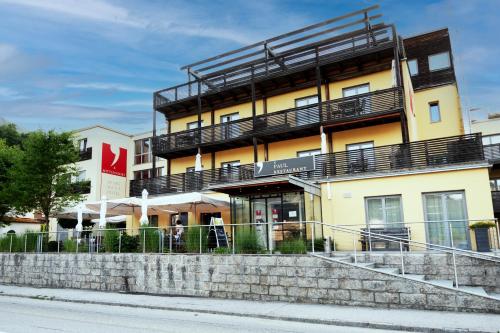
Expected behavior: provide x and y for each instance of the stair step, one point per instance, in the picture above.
(366, 264)
(414, 276)
(388, 270)
(477, 290)
(443, 283)
(495, 295)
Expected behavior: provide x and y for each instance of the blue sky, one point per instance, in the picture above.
(73, 63)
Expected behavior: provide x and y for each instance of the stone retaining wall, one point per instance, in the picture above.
(439, 266)
(265, 278)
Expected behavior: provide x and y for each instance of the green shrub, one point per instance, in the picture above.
(482, 224)
(149, 239)
(69, 245)
(222, 250)
(111, 240)
(319, 245)
(297, 246)
(192, 239)
(129, 243)
(5, 243)
(247, 241)
(52, 246)
(31, 239)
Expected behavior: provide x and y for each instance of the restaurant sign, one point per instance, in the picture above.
(282, 167)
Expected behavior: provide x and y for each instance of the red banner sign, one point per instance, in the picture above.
(112, 163)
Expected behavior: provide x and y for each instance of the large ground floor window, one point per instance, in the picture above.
(446, 217)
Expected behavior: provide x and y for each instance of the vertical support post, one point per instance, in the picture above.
(200, 237)
(355, 248)
(402, 258)
(313, 236)
(10, 246)
(143, 240)
(97, 241)
(159, 241)
(369, 238)
(266, 151)
(77, 241)
(120, 241)
(153, 144)
(199, 112)
(57, 238)
(318, 87)
(454, 257)
(255, 150)
(25, 242)
(270, 231)
(232, 237)
(333, 242)
(170, 241)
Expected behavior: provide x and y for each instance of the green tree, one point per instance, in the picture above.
(10, 133)
(8, 155)
(40, 178)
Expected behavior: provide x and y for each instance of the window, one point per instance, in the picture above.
(491, 139)
(439, 61)
(193, 125)
(230, 170)
(307, 115)
(82, 176)
(229, 129)
(143, 152)
(153, 221)
(82, 144)
(495, 184)
(360, 157)
(304, 101)
(231, 164)
(312, 152)
(413, 67)
(146, 174)
(357, 90)
(446, 218)
(434, 112)
(384, 211)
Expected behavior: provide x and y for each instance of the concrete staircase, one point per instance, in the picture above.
(449, 284)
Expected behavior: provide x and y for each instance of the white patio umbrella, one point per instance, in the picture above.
(102, 213)
(187, 202)
(324, 145)
(126, 206)
(144, 208)
(79, 218)
(72, 213)
(197, 163)
(393, 73)
(112, 219)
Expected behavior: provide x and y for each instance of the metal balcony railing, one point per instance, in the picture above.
(492, 152)
(495, 195)
(342, 109)
(385, 159)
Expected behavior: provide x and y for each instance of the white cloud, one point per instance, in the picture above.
(9, 94)
(110, 86)
(14, 63)
(141, 103)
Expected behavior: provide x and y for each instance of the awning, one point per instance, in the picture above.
(72, 212)
(186, 201)
(112, 219)
(127, 206)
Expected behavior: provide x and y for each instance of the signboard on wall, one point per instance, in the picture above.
(281, 167)
(114, 163)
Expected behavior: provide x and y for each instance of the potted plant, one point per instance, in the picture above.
(481, 232)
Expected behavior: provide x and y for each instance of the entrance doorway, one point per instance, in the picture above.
(206, 217)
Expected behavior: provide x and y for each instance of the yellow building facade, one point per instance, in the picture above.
(359, 137)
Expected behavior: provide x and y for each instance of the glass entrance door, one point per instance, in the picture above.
(260, 218)
(446, 219)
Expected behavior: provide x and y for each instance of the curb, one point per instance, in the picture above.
(331, 322)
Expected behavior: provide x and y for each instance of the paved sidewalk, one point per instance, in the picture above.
(405, 320)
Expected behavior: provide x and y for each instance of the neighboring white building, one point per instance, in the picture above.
(23, 224)
(488, 126)
(110, 159)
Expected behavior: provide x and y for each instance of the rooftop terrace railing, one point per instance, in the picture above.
(388, 159)
(332, 40)
(342, 109)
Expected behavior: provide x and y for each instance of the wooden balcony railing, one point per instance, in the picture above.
(385, 159)
(285, 121)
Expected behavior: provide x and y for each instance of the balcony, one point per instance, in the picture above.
(86, 154)
(285, 124)
(436, 153)
(495, 195)
(492, 153)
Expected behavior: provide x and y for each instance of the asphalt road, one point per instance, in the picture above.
(20, 315)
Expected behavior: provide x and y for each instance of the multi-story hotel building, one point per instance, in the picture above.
(343, 121)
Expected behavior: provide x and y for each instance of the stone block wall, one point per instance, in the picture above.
(439, 266)
(252, 277)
